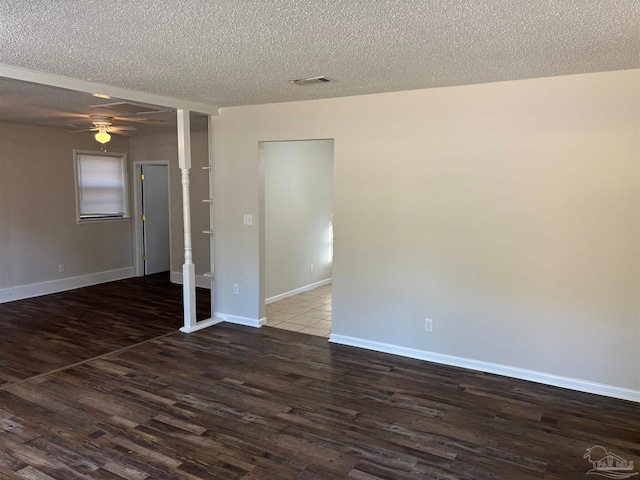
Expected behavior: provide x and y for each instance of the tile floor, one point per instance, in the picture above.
(308, 312)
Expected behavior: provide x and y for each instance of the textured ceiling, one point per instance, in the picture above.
(24, 102)
(235, 52)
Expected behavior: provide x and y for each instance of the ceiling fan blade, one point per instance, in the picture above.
(85, 130)
(119, 132)
(142, 119)
(124, 127)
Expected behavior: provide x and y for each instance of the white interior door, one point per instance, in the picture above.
(155, 227)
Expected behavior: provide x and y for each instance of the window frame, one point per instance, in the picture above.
(125, 175)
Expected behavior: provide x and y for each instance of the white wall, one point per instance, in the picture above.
(38, 227)
(507, 212)
(165, 147)
(298, 179)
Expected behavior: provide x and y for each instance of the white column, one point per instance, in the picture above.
(188, 268)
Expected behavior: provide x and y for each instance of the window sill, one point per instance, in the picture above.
(81, 221)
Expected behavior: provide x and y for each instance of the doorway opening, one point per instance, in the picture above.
(153, 222)
(298, 235)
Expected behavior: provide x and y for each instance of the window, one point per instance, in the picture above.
(101, 185)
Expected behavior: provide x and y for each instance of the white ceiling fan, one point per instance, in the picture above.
(103, 125)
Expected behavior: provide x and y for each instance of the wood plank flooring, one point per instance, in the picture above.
(76, 325)
(234, 402)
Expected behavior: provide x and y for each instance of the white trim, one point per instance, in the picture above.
(238, 320)
(93, 87)
(201, 280)
(60, 285)
(210, 177)
(291, 293)
(488, 367)
(209, 322)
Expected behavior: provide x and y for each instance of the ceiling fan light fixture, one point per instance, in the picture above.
(102, 136)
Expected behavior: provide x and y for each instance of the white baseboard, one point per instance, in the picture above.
(201, 280)
(60, 285)
(209, 322)
(306, 288)
(238, 320)
(488, 367)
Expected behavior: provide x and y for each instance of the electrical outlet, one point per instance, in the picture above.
(61, 268)
(311, 268)
(236, 289)
(428, 325)
(248, 219)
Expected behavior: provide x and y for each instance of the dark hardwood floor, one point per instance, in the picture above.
(241, 403)
(44, 333)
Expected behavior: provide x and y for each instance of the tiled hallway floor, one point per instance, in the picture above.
(307, 312)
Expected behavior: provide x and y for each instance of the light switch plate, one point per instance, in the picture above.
(248, 219)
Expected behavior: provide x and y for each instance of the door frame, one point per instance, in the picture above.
(138, 246)
(262, 269)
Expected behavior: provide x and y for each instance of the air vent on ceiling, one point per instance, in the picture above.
(310, 80)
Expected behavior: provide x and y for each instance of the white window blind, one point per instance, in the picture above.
(102, 186)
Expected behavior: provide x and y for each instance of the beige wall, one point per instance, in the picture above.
(507, 212)
(38, 228)
(298, 180)
(165, 147)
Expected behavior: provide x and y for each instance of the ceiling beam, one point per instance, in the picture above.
(78, 85)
